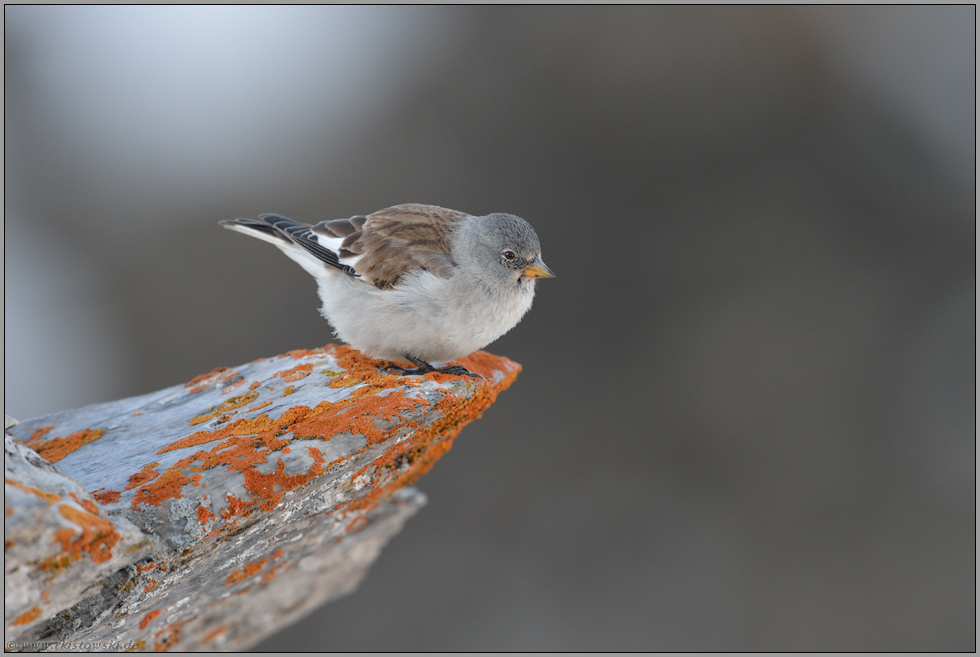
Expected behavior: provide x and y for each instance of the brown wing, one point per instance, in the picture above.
(385, 245)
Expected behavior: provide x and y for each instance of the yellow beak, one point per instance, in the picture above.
(538, 269)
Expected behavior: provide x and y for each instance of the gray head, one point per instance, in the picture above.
(506, 247)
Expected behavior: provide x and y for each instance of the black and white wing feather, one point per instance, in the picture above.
(295, 239)
(379, 248)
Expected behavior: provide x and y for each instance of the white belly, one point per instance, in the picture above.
(425, 316)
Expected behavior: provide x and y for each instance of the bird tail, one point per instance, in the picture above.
(293, 238)
(256, 228)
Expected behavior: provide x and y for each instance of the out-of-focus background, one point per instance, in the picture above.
(747, 414)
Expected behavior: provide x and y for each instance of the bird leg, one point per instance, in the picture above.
(423, 367)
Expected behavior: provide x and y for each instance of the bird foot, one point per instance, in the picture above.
(424, 368)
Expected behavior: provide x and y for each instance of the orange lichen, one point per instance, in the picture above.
(402, 464)
(55, 449)
(28, 616)
(307, 353)
(107, 497)
(98, 538)
(88, 505)
(254, 385)
(40, 431)
(203, 377)
(357, 367)
(484, 364)
(149, 618)
(296, 373)
(50, 498)
(246, 571)
(210, 636)
(229, 404)
(288, 390)
(204, 514)
(379, 407)
(270, 574)
(236, 506)
(258, 406)
(244, 426)
(204, 381)
(143, 476)
(367, 413)
(171, 635)
(152, 584)
(198, 419)
(356, 524)
(233, 385)
(243, 452)
(164, 488)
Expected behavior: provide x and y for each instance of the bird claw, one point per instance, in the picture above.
(457, 370)
(425, 368)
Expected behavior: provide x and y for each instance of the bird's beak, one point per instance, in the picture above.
(538, 269)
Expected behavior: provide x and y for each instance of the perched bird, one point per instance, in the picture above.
(414, 282)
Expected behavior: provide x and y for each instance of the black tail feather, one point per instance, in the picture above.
(286, 229)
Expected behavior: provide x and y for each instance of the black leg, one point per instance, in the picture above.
(423, 367)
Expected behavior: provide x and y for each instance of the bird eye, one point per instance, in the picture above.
(509, 255)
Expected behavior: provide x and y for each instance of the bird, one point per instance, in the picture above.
(414, 282)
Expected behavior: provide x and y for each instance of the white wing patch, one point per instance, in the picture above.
(334, 244)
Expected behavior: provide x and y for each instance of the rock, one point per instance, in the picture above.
(58, 543)
(234, 504)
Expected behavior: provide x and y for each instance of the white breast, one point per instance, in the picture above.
(432, 318)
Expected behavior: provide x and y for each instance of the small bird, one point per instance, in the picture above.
(414, 282)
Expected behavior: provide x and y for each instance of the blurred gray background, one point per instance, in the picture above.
(746, 418)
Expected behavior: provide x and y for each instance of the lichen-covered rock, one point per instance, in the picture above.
(266, 489)
(58, 544)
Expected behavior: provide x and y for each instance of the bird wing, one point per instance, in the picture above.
(287, 235)
(383, 246)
